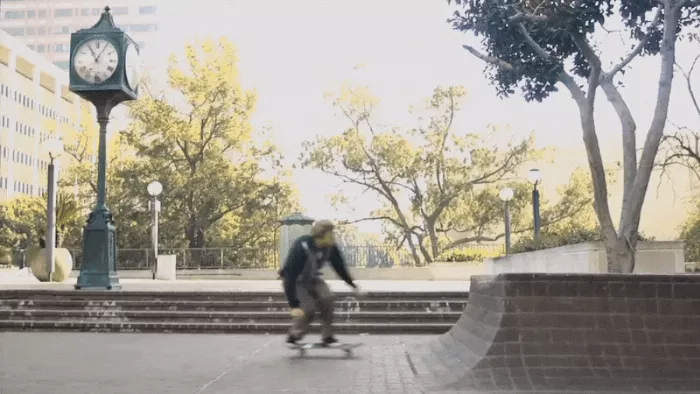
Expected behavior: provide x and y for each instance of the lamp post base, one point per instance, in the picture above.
(99, 266)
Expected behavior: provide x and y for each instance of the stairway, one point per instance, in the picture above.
(220, 312)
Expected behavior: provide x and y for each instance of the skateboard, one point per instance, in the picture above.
(304, 346)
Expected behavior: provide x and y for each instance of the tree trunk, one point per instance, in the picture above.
(412, 246)
(195, 235)
(620, 255)
(426, 255)
(435, 248)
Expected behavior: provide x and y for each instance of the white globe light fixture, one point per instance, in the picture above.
(154, 188)
(54, 147)
(506, 194)
(534, 175)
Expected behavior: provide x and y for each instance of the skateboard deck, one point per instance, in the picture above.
(302, 347)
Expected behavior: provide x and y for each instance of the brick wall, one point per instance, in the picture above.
(575, 332)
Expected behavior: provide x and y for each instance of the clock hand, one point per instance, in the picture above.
(94, 55)
(101, 52)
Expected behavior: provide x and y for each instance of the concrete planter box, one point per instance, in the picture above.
(165, 267)
(652, 258)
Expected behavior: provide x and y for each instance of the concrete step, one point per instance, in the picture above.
(24, 294)
(426, 305)
(220, 317)
(248, 327)
(219, 311)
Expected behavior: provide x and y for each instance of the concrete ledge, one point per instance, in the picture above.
(436, 271)
(542, 332)
(656, 257)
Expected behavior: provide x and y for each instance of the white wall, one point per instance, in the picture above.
(652, 258)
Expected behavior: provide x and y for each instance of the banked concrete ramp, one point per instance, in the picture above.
(577, 332)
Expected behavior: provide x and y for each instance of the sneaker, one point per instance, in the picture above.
(292, 340)
(329, 341)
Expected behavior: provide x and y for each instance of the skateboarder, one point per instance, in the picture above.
(304, 286)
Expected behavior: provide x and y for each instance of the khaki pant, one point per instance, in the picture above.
(314, 297)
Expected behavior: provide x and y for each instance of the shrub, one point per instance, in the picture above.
(550, 239)
(467, 255)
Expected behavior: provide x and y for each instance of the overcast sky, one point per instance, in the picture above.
(292, 52)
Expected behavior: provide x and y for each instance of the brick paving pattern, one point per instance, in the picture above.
(173, 363)
(86, 363)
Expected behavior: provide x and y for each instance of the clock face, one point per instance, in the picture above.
(96, 60)
(132, 65)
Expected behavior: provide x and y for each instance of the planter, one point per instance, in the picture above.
(37, 260)
(5, 257)
(656, 257)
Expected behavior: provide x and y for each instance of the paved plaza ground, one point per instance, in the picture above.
(89, 363)
(170, 363)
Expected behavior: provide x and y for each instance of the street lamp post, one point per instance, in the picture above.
(535, 176)
(154, 189)
(54, 147)
(506, 195)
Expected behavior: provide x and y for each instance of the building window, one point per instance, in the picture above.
(41, 48)
(15, 31)
(147, 10)
(142, 28)
(63, 65)
(31, 14)
(31, 31)
(60, 30)
(61, 48)
(15, 14)
(42, 13)
(63, 12)
(96, 11)
(41, 31)
(84, 12)
(120, 10)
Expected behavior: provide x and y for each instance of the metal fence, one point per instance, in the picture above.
(252, 258)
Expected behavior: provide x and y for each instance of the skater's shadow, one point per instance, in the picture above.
(324, 357)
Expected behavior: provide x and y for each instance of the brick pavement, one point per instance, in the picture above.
(151, 363)
(77, 363)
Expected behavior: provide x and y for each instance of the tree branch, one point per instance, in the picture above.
(546, 222)
(638, 49)
(488, 59)
(388, 218)
(688, 81)
(563, 77)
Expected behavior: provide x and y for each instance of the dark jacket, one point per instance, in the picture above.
(304, 263)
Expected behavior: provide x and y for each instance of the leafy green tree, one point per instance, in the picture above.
(536, 45)
(690, 234)
(432, 180)
(223, 183)
(23, 221)
(349, 234)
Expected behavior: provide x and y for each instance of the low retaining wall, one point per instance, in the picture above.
(652, 258)
(436, 271)
(576, 332)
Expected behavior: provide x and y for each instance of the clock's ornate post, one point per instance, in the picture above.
(105, 70)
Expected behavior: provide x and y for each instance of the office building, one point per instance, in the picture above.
(35, 103)
(46, 25)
